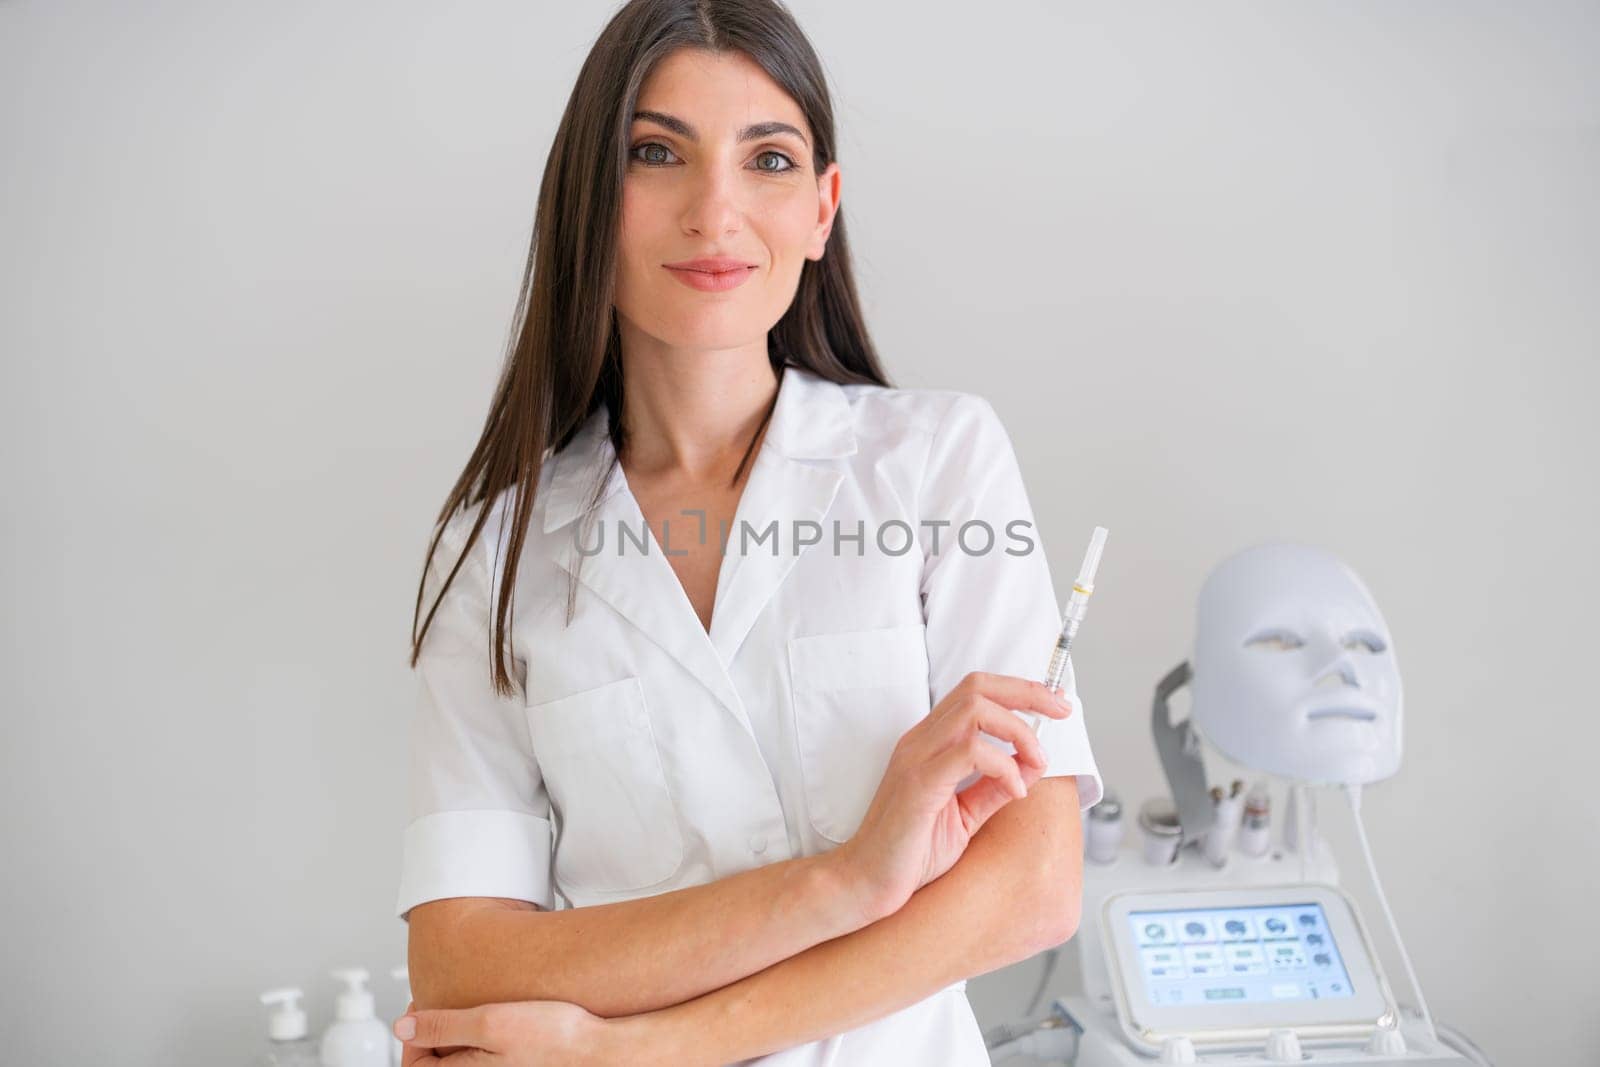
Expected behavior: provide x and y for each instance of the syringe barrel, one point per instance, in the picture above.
(1061, 657)
(1058, 667)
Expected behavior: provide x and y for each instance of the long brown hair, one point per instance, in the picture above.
(565, 359)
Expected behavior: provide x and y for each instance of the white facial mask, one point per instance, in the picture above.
(1294, 669)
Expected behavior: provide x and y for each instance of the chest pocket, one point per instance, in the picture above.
(855, 694)
(618, 825)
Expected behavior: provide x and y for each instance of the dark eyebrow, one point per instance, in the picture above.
(749, 133)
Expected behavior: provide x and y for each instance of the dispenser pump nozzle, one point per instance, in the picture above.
(288, 1023)
(356, 1002)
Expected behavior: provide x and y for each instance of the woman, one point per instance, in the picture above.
(770, 616)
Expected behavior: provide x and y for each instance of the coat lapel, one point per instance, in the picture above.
(811, 421)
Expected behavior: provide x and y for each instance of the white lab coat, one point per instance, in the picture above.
(645, 754)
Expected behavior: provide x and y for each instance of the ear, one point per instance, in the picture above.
(828, 186)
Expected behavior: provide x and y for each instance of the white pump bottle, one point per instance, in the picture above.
(356, 1038)
(288, 1044)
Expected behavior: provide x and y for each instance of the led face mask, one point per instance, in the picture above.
(1294, 670)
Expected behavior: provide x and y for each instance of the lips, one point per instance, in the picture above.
(711, 264)
(711, 273)
(1342, 712)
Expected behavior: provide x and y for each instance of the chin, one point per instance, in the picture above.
(711, 335)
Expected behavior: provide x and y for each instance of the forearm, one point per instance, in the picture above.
(639, 955)
(998, 905)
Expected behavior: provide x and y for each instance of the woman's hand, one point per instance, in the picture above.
(527, 1033)
(917, 825)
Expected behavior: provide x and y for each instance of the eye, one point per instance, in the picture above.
(1364, 639)
(789, 164)
(653, 161)
(1276, 640)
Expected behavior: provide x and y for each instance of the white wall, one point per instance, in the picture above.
(1322, 271)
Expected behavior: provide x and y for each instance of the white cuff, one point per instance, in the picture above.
(480, 853)
(1066, 747)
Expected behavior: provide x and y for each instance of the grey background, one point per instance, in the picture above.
(1322, 271)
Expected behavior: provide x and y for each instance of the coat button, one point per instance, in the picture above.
(758, 843)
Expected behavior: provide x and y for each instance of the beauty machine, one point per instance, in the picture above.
(1206, 936)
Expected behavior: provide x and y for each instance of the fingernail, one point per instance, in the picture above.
(1061, 698)
(406, 1027)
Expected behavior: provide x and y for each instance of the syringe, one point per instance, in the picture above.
(1072, 617)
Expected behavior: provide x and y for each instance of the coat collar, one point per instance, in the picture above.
(812, 420)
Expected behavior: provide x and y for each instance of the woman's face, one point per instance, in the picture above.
(719, 165)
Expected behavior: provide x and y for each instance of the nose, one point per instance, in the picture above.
(713, 207)
(1340, 672)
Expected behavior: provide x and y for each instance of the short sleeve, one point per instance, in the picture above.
(987, 596)
(479, 821)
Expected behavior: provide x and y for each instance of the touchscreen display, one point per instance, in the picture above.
(1239, 955)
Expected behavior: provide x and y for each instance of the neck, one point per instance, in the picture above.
(691, 411)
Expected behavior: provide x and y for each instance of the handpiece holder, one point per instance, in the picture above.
(1179, 749)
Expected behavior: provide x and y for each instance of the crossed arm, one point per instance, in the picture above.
(1015, 891)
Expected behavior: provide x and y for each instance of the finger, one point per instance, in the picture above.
(988, 795)
(981, 713)
(1031, 775)
(994, 763)
(439, 1027)
(1007, 690)
(960, 760)
(411, 1054)
(980, 800)
(1024, 694)
(1006, 725)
